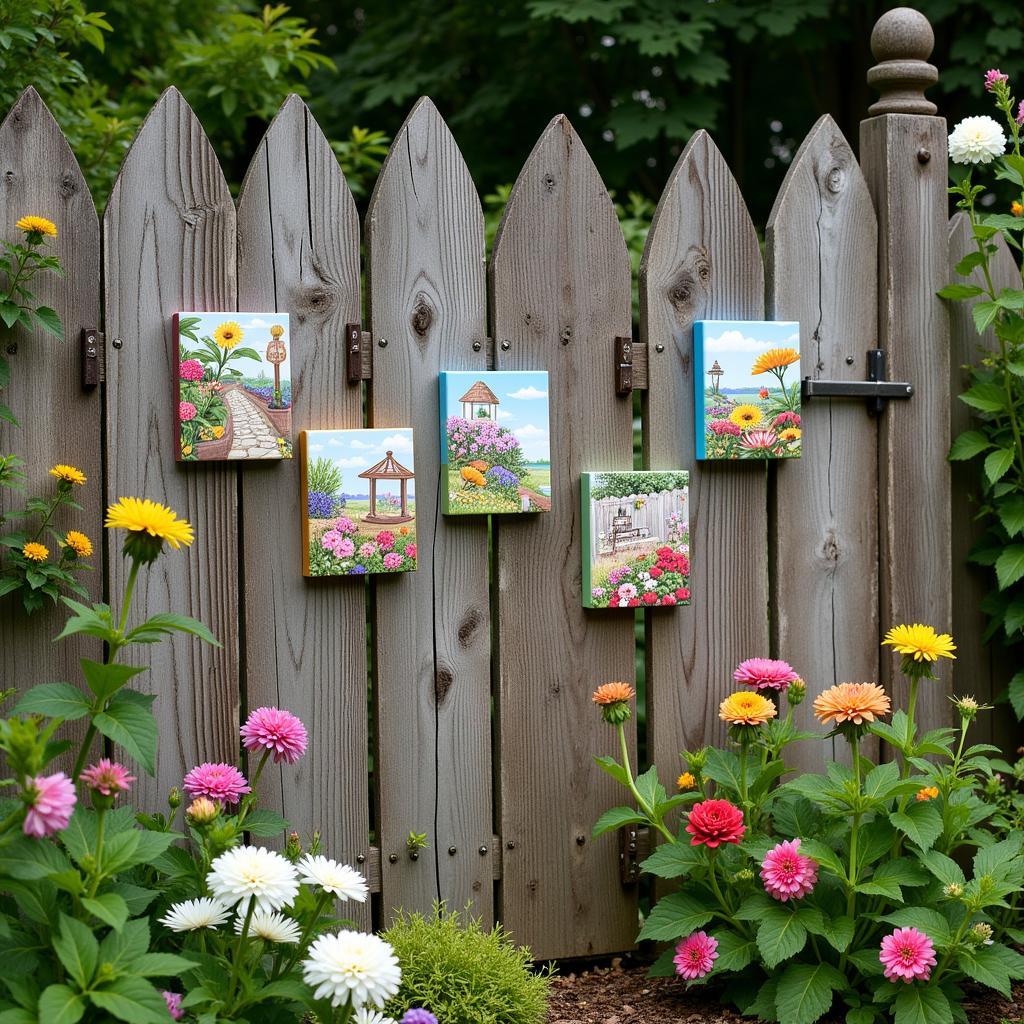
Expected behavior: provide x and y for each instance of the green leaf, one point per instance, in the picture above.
(168, 622)
(57, 700)
(59, 1004)
(266, 823)
(109, 908)
(984, 314)
(1011, 513)
(1010, 566)
(981, 965)
(120, 948)
(723, 767)
(135, 897)
(49, 320)
(924, 919)
(673, 860)
(106, 680)
(30, 859)
(1015, 692)
(77, 948)
(133, 726)
(673, 917)
(958, 292)
(985, 396)
(648, 786)
(916, 1004)
(780, 936)
(159, 965)
(879, 781)
(805, 992)
(997, 463)
(613, 818)
(969, 263)
(131, 999)
(734, 952)
(968, 444)
(824, 855)
(921, 822)
(944, 868)
(838, 931)
(612, 767)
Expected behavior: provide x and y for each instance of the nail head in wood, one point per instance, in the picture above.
(901, 42)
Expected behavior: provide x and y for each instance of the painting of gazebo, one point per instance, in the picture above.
(359, 502)
(495, 442)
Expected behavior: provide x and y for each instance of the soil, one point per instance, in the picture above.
(621, 993)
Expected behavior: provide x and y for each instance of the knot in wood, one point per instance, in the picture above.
(835, 180)
(68, 185)
(830, 548)
(689, 282)
(468, 628)
(422, 316)
(443, 680)
(901, 42)
(549, 182)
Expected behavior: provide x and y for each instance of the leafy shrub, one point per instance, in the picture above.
(460, 972)
(622, 485)
(325, 477)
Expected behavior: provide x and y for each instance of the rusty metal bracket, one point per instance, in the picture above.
(358, 354)
(629, 863)
(630, 366)
(91, 342)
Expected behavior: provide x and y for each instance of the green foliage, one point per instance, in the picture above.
(325, 477)
(361, 156)
(460, 972)
(622, 485)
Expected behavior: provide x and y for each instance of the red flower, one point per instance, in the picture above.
(714, 822)
(634, 602)
(668, 599)
(655, 572)
(663, 552)
(650, 597)
(763, 393)
(683, 593)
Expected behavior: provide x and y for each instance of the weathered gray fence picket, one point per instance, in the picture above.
(479, 731)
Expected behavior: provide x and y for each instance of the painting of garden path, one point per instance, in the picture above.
(495, 442)
(233, 382)
(747, 382)
(359, 493)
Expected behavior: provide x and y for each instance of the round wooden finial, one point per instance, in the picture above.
(902, 41)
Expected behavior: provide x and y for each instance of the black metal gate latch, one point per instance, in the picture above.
(876, 390)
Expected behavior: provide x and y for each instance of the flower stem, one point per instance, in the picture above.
(98, 875)
(641, 802)
(129, 590)
(83, 752)
(300, 946)
(237, 959)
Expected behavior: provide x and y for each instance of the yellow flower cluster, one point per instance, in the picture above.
(35, 552)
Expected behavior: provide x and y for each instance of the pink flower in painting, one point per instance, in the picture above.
(173, 1001)
(191, 369)
(721, 427)
(222, 782)
(626, 590)
(410, 550)
(330, 540)
(760, 440)
(345, 548)
(51, 799)
(277, 731)
(994, 77)
(787, 419)
(107, 777)
(345, 525)
(765, 674)
(367, 550)
(386, 540)
(787, 874)
(696, 956)
(763, 393)
(907, 954)
(392, 560)
(186, 411)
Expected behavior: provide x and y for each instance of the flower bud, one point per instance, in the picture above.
(293, 848)
(953, 891)
(174, 798)
(796, 692)
(968, 707)
(696, 760)
(980, 934)
(202, 811)
(746, 875)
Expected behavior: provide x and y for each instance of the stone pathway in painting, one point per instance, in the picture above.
(253, 436)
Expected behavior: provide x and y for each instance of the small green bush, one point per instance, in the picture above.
(464, 974)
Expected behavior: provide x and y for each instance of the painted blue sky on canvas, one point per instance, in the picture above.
(354, 451)
(523, 405)
(737, 343)
(255, 335)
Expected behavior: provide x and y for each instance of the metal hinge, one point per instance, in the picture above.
(630, 366)
(92, 345)
(876, 390)
(358, 354)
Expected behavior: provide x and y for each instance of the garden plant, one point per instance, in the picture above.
(879, 887)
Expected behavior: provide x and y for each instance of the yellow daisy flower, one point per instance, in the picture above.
(35, 552)
(920, 642)
(746, 707)
(218, 432)
(39, 224)
(790, 434)
(686, 781)
(228, 335)
(746, 415)
(69, 474)
(79, 543)
(774, 359)
(140, 515)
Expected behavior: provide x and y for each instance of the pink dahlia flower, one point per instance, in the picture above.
(277, 731)
(714, 822)
(386, 540)
(907, 954)
(107, 777)
(994, 77)
(191, 369)
(696, 956)
(51, 801)
(186, 411)
(765, 674)
(392, 560)
(222, 782)
(787, 874)
(173, 1001)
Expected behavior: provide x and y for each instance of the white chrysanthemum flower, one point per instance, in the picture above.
(364, 1015)
(343, 881)
(246, 873)
(352, 965)
(976, 140)
(271, 926)
(192, 915)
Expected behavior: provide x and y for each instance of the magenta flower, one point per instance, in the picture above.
(191, 369)
(787, 419)
(222, 782)
(1020, 113)
(765, 674)
(107, 777)
(907, 954)
(345, 548)
(186, 411)
(410, 550)
(787, 874)
(392, 560)
(759, 440)
(51, 801)
(386, 540)
(367, 549)
(173, 1001)
(696, 956)
(721, 427)
(345, 525)
(277, 731)
(994, 77)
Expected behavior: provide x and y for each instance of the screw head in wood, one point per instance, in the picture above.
(477, 346)
(117, 343)
(452, 851)
(659, 347)
(506, 345)
(580, 839)
(849, 360)
(383, 343)
(392, 858)
(510, 845)
(923, 156)
(12, 349)
(414, 855)
(360, 858)
(483, 851)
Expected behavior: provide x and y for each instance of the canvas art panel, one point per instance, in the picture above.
(358, 500)
(747, 382)
(233, 389)
(495, 442)
(636, 539)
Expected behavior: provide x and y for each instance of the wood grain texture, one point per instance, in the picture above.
(981, 669)
(427, 299)
(169, 244)
(560, 281)
(305, 640)
(59, 421)
(821, 264)
(701, 261)
(909, 193)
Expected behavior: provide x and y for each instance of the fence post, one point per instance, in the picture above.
(903, 156)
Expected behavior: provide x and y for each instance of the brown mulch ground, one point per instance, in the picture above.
(621, 993)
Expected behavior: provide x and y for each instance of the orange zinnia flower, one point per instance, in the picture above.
(854, 703)
(927, 793)
(774, 359)
(613, 693)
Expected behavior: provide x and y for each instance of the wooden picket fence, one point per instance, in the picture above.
(480, 731)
